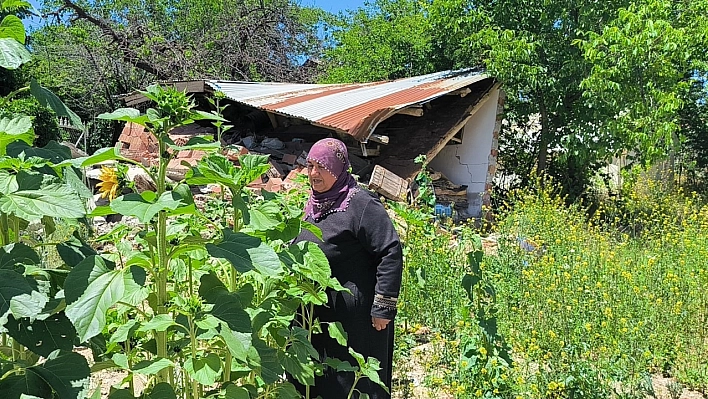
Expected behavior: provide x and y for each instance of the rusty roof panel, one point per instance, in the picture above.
(355, 108)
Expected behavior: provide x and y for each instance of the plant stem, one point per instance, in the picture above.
(356, 381)
(235, 200)
(16, 230)
(4, 229)
(193, 344)
(14, 93)
(161, 275)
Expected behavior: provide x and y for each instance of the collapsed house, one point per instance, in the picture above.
(452, 117)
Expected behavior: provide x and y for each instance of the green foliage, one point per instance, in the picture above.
(221, 307)
(386, 39)
(644, 62)
(44, 122)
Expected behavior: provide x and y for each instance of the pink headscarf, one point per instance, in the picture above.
(332, 154)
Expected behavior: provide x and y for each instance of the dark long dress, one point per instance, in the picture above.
(365, 256)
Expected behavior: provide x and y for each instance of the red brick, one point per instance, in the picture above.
(274, 184)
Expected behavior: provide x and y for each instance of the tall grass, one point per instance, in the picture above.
(591, 305)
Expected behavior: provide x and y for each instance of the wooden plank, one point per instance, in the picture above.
(273, 120)
(469, 113)
(364, 151)
(412, 111)
(378, 138)
(462, 92)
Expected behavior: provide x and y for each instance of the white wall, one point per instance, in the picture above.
(467, 163)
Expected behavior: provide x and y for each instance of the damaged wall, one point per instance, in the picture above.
(468, 163)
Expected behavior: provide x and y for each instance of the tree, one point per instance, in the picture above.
(385, 39)
(646, 65)
(91, 53)
(575, 67)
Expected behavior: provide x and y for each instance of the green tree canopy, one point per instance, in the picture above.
(584, 80)
(385, 39)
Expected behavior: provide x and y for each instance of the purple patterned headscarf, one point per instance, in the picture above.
(332, 154)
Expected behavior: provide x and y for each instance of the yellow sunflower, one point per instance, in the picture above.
(109, 183)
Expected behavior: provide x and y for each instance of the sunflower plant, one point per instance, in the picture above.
(113, 181)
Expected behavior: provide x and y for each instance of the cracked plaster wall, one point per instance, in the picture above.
(468, 163)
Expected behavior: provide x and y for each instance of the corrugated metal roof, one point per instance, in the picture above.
(355, 108)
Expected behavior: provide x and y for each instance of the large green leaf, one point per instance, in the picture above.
(125, 115)
(43, 336)
(214, 168)
(309, 260)
(8, 182)
(102, 155)
(238, 343)
(74, 179)
(336, 331)
(265, 216)
(18, 128)
(15, 5)
(144, 206)
(11, 26)
(29, 305)
(160, 322)
(49, 99)
(162, 390)
(67, 375)
(228, 308)
(206, 369)
(236, 392)
(211, 288)
(17, 254)
(12, 284)
(54, 200)
(15, 385)
(124, 332)
(252, 167)
(246, 253)
(53, 151)
(12, 53)
(100, 289)
(271, 366)
(303, 372)
(152, 367)
(74, 250)
(301, 346)
(285, 390)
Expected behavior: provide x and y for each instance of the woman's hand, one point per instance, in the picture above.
(379, 324)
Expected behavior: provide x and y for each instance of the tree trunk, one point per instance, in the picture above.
(545, 139)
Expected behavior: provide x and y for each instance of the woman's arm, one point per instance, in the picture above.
(379, 237)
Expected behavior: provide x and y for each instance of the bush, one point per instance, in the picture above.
(44, 121)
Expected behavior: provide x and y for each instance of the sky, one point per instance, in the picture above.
(334, 5)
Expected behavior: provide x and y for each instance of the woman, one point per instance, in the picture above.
(365, 256)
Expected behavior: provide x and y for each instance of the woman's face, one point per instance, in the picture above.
(320, 178)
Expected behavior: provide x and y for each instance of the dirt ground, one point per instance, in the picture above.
(415, 373)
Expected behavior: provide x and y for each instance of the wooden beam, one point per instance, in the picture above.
(461, 92)
(378, 138)
(273, 120)
(411, 111)
(471, 111)
(363, 151)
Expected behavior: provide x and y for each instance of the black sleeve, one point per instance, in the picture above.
(379, 237)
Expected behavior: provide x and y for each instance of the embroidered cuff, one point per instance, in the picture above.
(385, 302)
